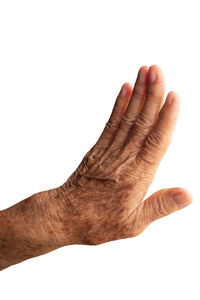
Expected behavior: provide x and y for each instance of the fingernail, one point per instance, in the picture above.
(142, 76)
(123, 91)
(152, 75)
(181, 200)
(169, 100)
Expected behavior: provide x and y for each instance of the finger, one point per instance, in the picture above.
(149, 114)
(159, 139)
(137, 99)
(131, 114)
(112, 125)
(160, 204)
(119, 109)
(120, 106)
(134, 107)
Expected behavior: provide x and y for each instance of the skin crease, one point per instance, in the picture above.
(103, 200)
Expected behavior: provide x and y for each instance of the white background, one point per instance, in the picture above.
(62, 64)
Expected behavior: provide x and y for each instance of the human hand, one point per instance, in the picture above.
(105, 194)
(103, 199)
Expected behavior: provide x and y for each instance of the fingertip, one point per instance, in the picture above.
(155, 68)
(155, 74)
(126, 89)
(128, 85)
(142, 75)
(143, 68)
(172, 97)
(181, 197)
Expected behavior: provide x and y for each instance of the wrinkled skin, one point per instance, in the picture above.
(103, 200)
(109, 185)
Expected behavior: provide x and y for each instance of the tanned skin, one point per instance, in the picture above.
(103, 200)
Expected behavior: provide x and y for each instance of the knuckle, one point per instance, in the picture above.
(144, 120)
(142, 123)
(152, 92)
(149, 151)
(138, 91)
(159, 207)
(126, 121)
(157, 141)
(154, 139)
(111, 125)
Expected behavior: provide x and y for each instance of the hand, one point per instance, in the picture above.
(105, 194)
(103, 199)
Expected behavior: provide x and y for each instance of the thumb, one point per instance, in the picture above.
(163, 203)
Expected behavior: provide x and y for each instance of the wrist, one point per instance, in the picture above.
(31, 228)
